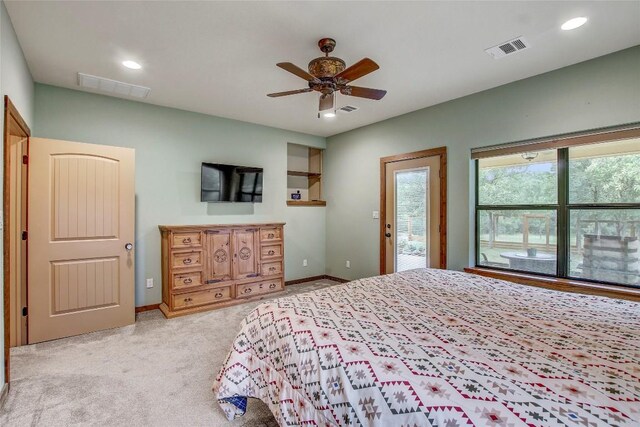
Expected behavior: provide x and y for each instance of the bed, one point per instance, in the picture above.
(437, 348)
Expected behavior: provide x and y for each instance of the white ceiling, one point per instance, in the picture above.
(219, 57)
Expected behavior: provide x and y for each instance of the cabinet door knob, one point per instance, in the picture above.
(187, 240)
(271, 286)
(218, 295)
(187, 261)
(247, 291)
(187, 281)
(271, 252)
(271, 236)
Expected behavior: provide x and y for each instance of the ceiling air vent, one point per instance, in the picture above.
(508, 48)
(348, 109)
(112, 86)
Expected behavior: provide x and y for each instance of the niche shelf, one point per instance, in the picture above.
(304, 175)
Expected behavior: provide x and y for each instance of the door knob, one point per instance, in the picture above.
(128, 246)
(387, 234)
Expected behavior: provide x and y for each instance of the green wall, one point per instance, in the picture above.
(170, 145)
(597, 93)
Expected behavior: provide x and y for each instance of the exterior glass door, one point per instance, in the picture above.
(412, 203)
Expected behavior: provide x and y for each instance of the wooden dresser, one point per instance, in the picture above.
(211, 266)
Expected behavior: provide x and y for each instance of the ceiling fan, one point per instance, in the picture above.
(328, 75)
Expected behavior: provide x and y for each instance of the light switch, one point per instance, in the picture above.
(376, 214)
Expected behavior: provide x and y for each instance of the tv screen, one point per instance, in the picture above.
(230, 183)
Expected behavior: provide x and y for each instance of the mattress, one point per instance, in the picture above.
(437, 348)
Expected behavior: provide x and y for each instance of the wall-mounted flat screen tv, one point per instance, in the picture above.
(230, 183)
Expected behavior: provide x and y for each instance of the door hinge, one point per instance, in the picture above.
(25, 235)
(25, 160)
(25, 311)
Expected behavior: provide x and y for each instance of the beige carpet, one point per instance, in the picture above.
(157, 372)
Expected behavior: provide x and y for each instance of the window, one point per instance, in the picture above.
(571, 211)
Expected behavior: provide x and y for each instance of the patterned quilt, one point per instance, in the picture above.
(438, 348)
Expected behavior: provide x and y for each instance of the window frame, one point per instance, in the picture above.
(562, 208)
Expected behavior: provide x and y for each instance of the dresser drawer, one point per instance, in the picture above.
(270, 234)
(187, 280)
(271, 251)
(186, 239)
(193, 299)
(246, 290)
(273, 268)
(186, 259)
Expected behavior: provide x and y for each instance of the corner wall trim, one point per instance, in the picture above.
(147, 308)
(312, 278)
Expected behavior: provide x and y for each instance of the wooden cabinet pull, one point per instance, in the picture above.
(271, 235)
(186, 241)
(247, 291)
(271, 286)
(271, 252)
(272, 269)
(187, 261)
(218, 295)
(188, 299)
(187, 281)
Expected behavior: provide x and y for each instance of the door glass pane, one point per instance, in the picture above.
(519, 179)
(412, 219)
(518, 240)
(605, 173)
(604, 245)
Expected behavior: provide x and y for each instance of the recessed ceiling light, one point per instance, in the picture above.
(574, 23)
(132, 64)
(329, 115)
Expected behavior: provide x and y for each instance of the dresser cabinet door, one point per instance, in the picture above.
(219, 257)
(245, 259)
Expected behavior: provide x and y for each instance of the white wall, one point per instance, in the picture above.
(597, 93)
(15, 81)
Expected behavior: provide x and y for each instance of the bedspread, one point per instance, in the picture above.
(437, 348)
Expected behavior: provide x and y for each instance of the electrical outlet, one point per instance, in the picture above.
(348, 264)
(150, 283)
(304, 263)
(376, 215)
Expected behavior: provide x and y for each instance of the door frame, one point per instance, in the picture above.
(441, 152)
(11, 116)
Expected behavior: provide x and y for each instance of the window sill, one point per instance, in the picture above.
(566, 285)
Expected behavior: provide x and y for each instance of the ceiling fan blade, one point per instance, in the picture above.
(363, 92)
(294, 69)
(326, 101)
(290, 92)
(357, 70)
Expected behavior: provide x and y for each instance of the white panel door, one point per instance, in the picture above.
(81, 233)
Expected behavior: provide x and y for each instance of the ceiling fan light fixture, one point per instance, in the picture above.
(329, 76)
